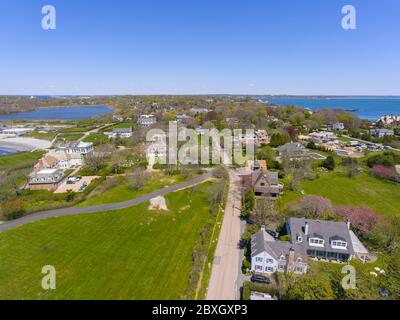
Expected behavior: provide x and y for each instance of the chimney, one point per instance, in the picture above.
(290, 263)
(348, 222)
(306, 229)
(263, 228)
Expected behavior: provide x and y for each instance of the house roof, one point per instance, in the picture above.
(291, 147)
(326, 230)
(270, 177)
(263, 242)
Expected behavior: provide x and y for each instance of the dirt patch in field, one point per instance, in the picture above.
(158, 203)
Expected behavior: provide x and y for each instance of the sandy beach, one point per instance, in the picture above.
(23, 144)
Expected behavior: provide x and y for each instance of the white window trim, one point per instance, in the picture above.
(319, 243)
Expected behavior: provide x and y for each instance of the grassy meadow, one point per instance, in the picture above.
(132, 253)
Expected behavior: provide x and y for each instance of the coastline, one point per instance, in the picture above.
(21, 144)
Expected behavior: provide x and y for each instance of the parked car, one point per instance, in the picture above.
(260, 279)
(83, 186)
(73, 180)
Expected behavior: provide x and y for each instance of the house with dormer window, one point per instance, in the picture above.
(322, 240)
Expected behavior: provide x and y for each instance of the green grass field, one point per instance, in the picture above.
(121, 191)
(41, 135)
(128, 254)
(379, 195)
(69, 136)
(96, 138)
(19, 160)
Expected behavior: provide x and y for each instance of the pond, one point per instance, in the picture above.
(59, 113)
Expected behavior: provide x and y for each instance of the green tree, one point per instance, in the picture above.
(249, 203)
(329, 163)
(279, 139)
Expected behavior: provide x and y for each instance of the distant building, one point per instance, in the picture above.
(147, 120)
(48, 179)
(338, 126)
(265, 183)
(197, 111)
(16, 131)
(262, 137)
(118, 118)
(181, 118)
(83, 148)
(59, 160)
(120, 132)
(293, 150)
(323, 136)
(381, 133)
(201, 131)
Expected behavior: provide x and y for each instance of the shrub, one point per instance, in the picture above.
(385, 173)
(329, 163)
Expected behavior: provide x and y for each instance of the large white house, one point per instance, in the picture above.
(147, 120)
(83, 148)
(120, 132)
(321, 240)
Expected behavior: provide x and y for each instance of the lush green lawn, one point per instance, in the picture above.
(380, 195)
(41, 135)
(96, 138)
(128, 254)
(121, 192)
(70, 136)
(19, 160)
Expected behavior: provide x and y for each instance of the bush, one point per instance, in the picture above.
(329, 163)
(246, 266)
(385, 173)
(387, 159)
(311, 145)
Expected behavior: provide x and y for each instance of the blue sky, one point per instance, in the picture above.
(200, 47)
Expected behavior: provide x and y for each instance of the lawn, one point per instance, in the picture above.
(69, 136)
(41, 135)
(128, 254)
(19, 160)
(96, 138)
(380, 195)
(122, 192)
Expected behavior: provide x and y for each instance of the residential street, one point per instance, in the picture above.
(224, 275)
(102, 208)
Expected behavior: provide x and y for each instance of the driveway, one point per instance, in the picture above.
(224, 274)
(102, 208)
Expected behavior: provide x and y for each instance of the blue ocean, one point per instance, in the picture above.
(4, 151)
(371, 108)
(59, 113)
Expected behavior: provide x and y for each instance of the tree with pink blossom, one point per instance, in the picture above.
(385, 173)
(314, 207)
(363, 219)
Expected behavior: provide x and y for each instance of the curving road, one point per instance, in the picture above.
(102, 208)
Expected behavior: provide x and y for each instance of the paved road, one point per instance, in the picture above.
(224, 274)
(102, 208)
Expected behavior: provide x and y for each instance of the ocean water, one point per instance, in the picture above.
(371, 108)
(4, 151)
(59, 113)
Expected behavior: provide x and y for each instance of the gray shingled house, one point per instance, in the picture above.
(326, 240)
